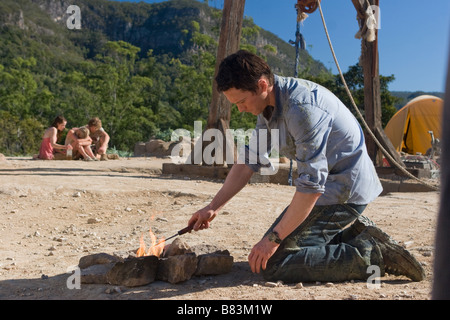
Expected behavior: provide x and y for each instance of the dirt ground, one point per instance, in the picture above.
(54, 212)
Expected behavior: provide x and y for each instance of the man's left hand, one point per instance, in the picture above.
(261, 253)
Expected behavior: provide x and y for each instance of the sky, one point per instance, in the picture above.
(413, 37)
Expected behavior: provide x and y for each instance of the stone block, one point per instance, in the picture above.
(134, 272)
(213, 264)
(97, 258)
(177, 247)
(177, 268)
(96, 274)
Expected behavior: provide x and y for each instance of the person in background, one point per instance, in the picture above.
(80, 150)
(50, 149)
(100, 138)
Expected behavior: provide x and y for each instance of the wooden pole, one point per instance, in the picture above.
(220, 108)
(372, 97)
(229, 42)
(372, 91)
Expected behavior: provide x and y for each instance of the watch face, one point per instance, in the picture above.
(273, 237)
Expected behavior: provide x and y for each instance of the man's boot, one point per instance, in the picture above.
(397, 260)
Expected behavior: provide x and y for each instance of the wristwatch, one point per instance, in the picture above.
(274, 237)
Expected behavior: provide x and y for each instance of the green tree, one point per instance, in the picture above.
(18, 88)
(354, 78)
(19, 136)
(29, 135)
(8, 133)
(119, 95)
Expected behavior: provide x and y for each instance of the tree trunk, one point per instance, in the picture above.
(229, 42)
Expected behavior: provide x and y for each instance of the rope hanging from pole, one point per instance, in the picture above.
(387, 155)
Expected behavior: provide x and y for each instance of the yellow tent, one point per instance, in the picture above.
(408, 128)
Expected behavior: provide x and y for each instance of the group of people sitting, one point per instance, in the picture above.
(89, 142)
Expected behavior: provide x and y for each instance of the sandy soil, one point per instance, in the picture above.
(54, 212)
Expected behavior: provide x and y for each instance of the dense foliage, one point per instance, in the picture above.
(47, 70)
(354, 78)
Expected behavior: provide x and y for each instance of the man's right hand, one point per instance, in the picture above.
(202, 218)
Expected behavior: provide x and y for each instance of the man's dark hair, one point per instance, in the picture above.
(242, 70)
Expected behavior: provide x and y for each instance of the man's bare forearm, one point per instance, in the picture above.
(237, 178)
(298, 210)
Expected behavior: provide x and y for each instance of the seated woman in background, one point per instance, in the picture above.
(74, 138)
(51, 150)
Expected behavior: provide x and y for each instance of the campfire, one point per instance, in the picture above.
(156, 248)
(175, 262)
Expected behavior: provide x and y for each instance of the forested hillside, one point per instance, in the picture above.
(144, 69)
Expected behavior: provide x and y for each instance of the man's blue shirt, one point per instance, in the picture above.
(324, 138)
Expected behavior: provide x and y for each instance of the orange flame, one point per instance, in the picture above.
(156, 248)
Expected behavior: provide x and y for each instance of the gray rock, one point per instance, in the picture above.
(97, 258)
(177, 268)
(96, 274)
(208, 248)
(213, 264)
(134, 272)
(177, 247)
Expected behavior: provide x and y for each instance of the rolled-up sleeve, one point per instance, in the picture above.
(310, 128)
